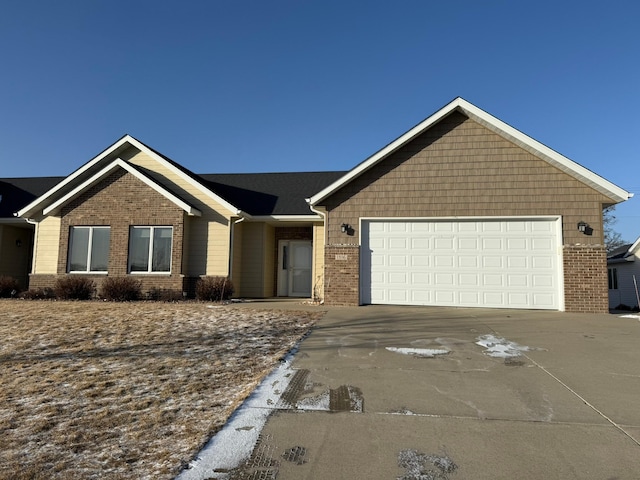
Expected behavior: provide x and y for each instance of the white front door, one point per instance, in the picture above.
(294, 271)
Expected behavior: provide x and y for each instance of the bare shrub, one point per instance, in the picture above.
(46, 293)
(121, 289)
(214, 289)
(74, 288)
(9, 287)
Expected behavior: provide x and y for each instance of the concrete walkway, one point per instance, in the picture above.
(408, 393)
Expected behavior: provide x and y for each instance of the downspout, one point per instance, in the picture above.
(326, 236)
(323, 215)
(35, 243)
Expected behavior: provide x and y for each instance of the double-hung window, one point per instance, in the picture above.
(150, 249)
(613, 278)
(89, 249)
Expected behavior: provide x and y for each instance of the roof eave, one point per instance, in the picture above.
(119, 163)
(610, 190)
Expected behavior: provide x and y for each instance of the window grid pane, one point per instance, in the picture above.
(161, 250)
(100, 249)
(79, 248)
(89, 249)
(139, 249)
(150, 249)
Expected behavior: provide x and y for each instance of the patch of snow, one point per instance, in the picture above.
(630, 316)
(500, 347)
(419, 352)
(234, 443)
(316, 403)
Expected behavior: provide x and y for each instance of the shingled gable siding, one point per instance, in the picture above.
(120, 201)
(459, 168)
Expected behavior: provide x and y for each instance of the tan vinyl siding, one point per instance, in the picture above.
(208, 245)
(48, 246)
(209, 234)
(318, 262)
(252, 260)
(258, 262)
(460, 168)
(270, 250)
(236, 262)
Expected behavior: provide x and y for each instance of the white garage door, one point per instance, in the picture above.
(471, 263)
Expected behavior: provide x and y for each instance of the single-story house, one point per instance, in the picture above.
(623, 272)
(461, 210)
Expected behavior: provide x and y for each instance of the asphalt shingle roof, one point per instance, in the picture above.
(270, 193)
(18, 192)
(254, 193)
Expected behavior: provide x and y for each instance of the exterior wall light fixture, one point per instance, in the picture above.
(585, 228)
(345, 228)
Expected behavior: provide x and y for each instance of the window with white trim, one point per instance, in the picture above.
(88, 249)
(150, 249)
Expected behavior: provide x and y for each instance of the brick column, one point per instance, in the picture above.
(342, 275)
(585, 279)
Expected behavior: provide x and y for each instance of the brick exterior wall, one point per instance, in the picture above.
(121, 201)
(585, 279)
(342, 275)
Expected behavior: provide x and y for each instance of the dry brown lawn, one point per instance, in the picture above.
(127, 390)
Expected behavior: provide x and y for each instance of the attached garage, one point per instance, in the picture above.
(464, 210)
(499, 263)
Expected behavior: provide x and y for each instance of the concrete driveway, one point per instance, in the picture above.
(408, 393)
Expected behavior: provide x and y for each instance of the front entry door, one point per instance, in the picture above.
(294, 273)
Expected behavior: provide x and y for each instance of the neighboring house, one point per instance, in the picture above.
(623, 268)
(462, 210)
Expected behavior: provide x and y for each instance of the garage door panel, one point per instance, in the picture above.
(398, 296)
(492, 243)
(465, 261)
(517, 244)
(420, 243)
(443, 243)
(469, 299)
(420, 260)
(468, 279)
(445, 297)
(443, 260)
(517, 280)
(420, 279)
(490, 263)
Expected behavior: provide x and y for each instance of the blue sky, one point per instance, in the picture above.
(259, 86)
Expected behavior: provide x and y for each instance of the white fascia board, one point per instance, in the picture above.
(285, 218)
(540, 150)
(495, 125)
(44, 197)
(235, 210)
(118, 163)
(381, 154)
(634, 248)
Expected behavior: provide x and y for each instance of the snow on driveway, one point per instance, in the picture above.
(500, 347)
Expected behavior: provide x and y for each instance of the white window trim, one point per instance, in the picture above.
(91, 228)
(150, 252)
